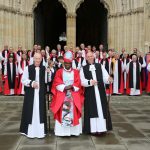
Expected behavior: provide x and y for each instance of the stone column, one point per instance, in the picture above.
(136, 31)
(121, 33)
(5, 28)
(147, 26)
(31, 32)
(1, 29)
(130, 24)
(109, 32)
(23, 33)
(125, 32)
(13, 28)
(17, 29)
(141, 31)
(117, 33)
(133, 30)
(113, 32)
(71, 29)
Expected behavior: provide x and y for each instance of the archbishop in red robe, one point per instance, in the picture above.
(67, 100)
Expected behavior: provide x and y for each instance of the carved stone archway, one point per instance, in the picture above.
(106, 4)
(47, 30)
(71, 7)
(95, 27)
(38, 1)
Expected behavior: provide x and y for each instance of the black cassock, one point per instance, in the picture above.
(90, 105)
(27, 111)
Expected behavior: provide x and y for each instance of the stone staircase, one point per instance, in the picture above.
(115, 99)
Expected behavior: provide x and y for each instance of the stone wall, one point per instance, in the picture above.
(128, 22)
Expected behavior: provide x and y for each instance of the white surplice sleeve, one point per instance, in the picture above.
(20, 71)
(74, 64)
(76, 88)
(60, 87)
(46, 79)
(17, 70)
(144, 63)
(127, 68)
(5, 69)
(84, 62)
(84, 81)
(18, 58)
(122, 66)
(105, 75)
(31, 61)
(25, 78)
(0, 66)
(148, 67)
(140, 67)
(1, 57)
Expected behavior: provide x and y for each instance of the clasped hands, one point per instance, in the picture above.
(94, 82)
(69, 87)
(110, 79)
(35, 85)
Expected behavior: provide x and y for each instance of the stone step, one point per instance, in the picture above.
(113, 99)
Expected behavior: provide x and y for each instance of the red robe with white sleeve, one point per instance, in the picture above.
(21, 67)
(4, 61)
(11, 79)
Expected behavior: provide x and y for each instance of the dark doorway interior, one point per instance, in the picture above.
(92, 23)
(49, 23)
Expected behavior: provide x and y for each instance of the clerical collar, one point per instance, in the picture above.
(92, 67)
(68, 70)
(91, 64)
(37, 67)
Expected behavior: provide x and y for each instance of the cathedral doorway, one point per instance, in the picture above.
(49, 23)
(91, 23)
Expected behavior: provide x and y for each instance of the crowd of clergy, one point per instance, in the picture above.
(84, 76)
(130, 69)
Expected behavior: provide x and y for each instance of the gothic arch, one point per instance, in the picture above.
(105, 2)
(78, 4)
(96, 32)
(63, 4)
(38, 1)
(35, 4)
